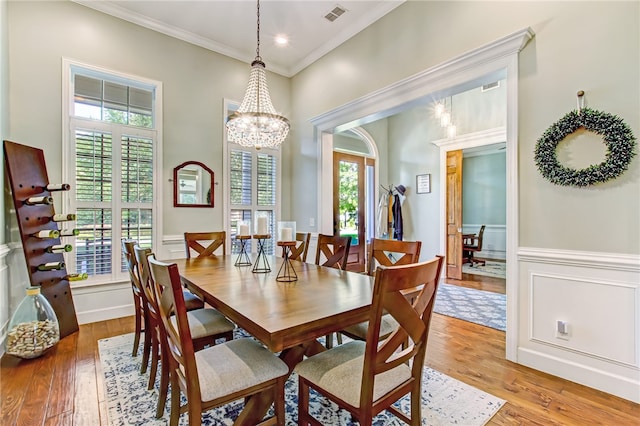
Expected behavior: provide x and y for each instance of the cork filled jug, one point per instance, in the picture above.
(33, 328)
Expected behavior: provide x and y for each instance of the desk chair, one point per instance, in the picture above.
(473, 244)
(386, 253)
(213, 240)
(216, 375)
(374, 374)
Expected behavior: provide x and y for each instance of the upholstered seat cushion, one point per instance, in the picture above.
(191, 301)
(387, 325)
(235, 365)
(339, 371)
(206, 322)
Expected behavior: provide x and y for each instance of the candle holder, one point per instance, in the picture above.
(286, 231)
(262, 264)
(286, 273)
(243, 257)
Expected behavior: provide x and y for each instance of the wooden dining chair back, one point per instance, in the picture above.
(392, 252)
(471, 245)
(333, 251)
(299, 252)
(377, 373)
(206, 324)
(139, 301)
(218, 374)
(384, 252)
(205, 243)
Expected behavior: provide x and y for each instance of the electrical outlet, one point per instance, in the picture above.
(562, 330)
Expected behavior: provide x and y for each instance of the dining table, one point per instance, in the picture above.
(287, 317)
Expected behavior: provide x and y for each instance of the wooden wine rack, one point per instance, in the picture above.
(27, 172)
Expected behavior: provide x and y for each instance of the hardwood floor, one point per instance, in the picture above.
(65, 386)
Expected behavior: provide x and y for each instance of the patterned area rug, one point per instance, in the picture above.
(446, 401)
(490, 269)
(477, 306)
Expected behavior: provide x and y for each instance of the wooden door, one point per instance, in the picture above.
(454, 214)
(349, 205)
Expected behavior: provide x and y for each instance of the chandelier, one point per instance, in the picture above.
(256, 123)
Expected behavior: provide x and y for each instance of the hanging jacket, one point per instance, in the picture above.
(382, 223)
(397, 218)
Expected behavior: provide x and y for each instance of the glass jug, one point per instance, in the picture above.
(33, 328)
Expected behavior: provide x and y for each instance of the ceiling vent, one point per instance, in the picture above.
(335, 13)
(490, 86)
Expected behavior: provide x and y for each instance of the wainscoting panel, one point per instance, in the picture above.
(597, 296)
(596, 315)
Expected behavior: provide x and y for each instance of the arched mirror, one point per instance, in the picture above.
(192, 185)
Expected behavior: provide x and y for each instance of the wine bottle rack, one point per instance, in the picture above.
(27, 172)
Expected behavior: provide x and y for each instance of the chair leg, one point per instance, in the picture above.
(155, 356)
(416, 405)
(138, 331)
(164, 381)
(146, 346)
(278, 401)
(174, 417)
(303, 403)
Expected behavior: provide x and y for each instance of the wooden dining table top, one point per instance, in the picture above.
(280, 314)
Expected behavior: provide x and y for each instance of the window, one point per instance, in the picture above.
(254, 185)
(111, 162)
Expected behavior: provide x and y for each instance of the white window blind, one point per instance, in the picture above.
(113, 143)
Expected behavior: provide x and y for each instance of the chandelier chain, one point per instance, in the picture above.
(258, 34)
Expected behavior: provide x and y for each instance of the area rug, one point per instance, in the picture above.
(477, 306)
(446, 401)
(490, 269)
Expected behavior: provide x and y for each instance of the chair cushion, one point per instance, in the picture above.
(339, 372)
(387, 326)
(207, 322)
(191, 301)
(236, 365)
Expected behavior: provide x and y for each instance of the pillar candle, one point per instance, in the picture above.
(244, 230)
(286, 234)
(262, 225)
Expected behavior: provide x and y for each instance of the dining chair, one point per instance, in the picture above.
(218, 374)
(473, 244)
(207, 326)
(335, 252)
(139, 302)
(299, 252)
(386, 253)
(367, 377)
(205, 243)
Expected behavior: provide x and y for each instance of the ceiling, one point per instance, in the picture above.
(229, 26)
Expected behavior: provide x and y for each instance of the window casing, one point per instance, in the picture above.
(111, 158)
(253, 182)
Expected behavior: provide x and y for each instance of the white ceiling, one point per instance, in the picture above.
(229, 26)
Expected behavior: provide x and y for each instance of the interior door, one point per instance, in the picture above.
(349, 205)
(454, 214)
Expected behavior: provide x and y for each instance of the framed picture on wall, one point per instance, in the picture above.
(423, 184)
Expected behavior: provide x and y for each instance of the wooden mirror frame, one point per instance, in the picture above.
(176, 171)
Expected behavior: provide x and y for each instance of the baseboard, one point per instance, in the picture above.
(617, 385)
(109, 313)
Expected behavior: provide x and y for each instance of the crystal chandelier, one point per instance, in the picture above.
(256, 123)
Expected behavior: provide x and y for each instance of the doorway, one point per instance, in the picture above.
(349, 205)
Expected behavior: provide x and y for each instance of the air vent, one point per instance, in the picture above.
(335, 13)
(490, 86)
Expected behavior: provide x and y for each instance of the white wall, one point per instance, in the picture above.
(592, 46)
(4, 131)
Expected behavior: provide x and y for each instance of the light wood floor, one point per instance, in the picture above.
(65, 387)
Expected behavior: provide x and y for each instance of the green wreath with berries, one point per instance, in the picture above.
(616, 135)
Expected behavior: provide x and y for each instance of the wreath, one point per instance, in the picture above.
(616, 134)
